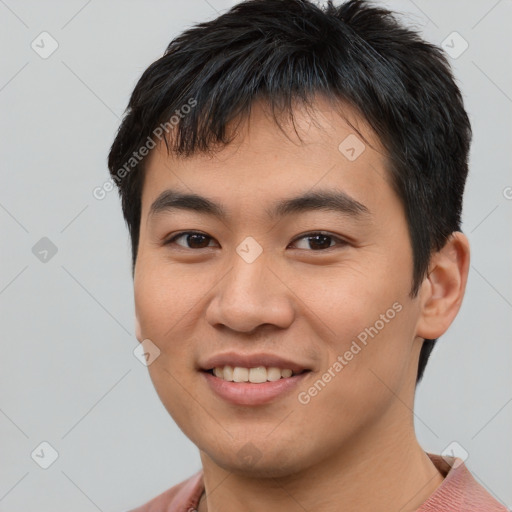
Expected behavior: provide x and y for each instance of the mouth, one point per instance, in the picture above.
(255, 386)
(252, 379)
(256, 375)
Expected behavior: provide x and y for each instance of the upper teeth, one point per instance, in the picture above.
(256, 375)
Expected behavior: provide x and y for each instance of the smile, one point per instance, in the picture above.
(256, 375)
(248, 393)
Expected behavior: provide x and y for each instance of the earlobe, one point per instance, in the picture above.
(443, 289)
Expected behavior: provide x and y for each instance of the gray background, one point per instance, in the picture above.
(68, 374)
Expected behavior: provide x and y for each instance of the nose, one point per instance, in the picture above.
(251, 294)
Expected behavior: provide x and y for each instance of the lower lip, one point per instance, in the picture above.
(247, 393)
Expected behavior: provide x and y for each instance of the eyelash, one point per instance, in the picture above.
(312, 234)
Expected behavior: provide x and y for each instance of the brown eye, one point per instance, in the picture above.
(319, 241)
(193, 240)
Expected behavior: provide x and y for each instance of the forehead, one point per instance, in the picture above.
(318, 149)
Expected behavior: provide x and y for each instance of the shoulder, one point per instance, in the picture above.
(459, 492)
(182, 497)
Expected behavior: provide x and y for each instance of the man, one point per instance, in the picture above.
(292, 179)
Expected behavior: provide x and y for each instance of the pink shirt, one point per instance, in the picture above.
(459, 492)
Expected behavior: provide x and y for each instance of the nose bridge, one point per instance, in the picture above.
(250, 294)
(247, 287)
(249, 268)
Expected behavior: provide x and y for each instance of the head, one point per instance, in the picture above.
(271, 101)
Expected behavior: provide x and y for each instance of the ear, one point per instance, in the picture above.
(442, 291)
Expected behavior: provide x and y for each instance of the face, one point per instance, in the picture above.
(278, 282)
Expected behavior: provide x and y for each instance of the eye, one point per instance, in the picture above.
(320, 241)
(194, 239)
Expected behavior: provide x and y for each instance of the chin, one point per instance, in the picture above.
(251, 463)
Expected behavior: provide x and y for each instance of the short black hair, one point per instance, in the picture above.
(283, 51)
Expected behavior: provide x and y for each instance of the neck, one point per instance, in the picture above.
(377, 473)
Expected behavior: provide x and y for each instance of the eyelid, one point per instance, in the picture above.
(170, 240)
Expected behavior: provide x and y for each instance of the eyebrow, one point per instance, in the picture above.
(325, 200)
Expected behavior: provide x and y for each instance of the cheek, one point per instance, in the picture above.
(361, 381)
(367, 330)
(163, 307)
(167, 303)
(166, 298)
(348, 301)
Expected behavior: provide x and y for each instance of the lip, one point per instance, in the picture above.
(251, 361)
(250, 394)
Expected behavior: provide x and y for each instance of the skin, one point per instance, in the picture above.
(301, 301)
